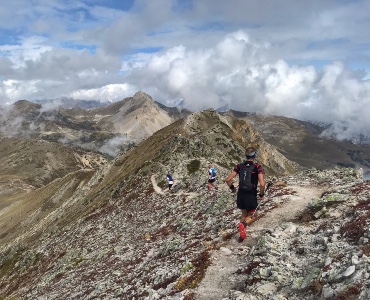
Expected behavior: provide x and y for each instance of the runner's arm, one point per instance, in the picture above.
(262, 185)
(229, 178)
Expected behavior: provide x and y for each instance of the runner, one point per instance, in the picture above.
(211, 178)
(250, 174)
(170, 182)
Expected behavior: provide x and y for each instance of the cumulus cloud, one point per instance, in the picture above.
(307, 60)
(110, 92)
(238, 72)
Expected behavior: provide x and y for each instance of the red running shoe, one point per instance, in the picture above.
(242, 232)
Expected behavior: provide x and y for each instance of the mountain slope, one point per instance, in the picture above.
(29, 215)
(138, 118)
(27, 169)
(113, 233)
(106, 129)
(37, 162)
(301, 142)
(111, 230)
(310, 242)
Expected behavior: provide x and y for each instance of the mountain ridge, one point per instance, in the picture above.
(107, 129)
(199, 137)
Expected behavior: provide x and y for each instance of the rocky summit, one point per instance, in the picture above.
(112, 230)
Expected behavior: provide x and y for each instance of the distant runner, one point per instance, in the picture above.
(211, 178)
(170, 182)
(250, 174)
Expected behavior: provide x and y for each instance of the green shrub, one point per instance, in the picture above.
(193, 166)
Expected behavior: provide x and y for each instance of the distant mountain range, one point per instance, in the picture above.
(107, 129)
(116, 127)
(69, 103)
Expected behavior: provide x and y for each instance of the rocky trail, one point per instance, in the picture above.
(160, 191)
(157, 189)
(221, 276)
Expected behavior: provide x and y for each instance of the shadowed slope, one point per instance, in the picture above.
(301, 142)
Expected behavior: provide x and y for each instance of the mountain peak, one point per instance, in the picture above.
(142, 96)
(24, 105)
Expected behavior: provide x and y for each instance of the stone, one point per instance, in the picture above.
(327, 261)
(335, 275)
(355, 260)
(320, 240)
(349, 271)
(320, 213)
(334, 214)
(327, 292)
(335, 238)
(265, 272)
(226, 250)
(279, 297)
(336, 228)
(290, 228)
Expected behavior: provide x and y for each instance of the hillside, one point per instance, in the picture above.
(107, 219)
(107, 129)
(301, 142)
(34, 163)
(113, 232)
(26, 167)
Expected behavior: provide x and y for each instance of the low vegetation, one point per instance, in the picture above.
(193, 166)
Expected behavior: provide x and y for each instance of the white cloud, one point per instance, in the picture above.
(113, 146)
(238, 72)
(110, 92)
(288, 57)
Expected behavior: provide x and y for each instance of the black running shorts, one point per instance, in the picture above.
(247, 200)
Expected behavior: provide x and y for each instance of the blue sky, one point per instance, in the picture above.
(301, 59)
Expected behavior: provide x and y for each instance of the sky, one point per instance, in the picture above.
(308, 60)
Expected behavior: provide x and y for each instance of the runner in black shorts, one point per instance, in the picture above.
(247, 199)
(170, 182)
(211, 178)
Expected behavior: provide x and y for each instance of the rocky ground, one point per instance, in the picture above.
(148, 244)
(321, 252)
(223, 275)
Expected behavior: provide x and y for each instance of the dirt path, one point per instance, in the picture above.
(220, 276)
(158, 190)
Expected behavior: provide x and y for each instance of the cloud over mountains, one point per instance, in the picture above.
(300, 60)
